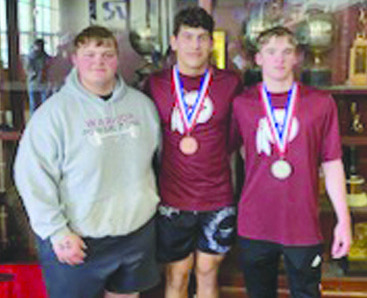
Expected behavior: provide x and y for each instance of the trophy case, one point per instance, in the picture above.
(352, 106)
(350, 94)
(332, 38)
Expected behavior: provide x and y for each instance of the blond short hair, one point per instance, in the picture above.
(278, 31)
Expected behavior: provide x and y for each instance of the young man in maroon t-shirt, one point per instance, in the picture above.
(196, 218)
(288, 130)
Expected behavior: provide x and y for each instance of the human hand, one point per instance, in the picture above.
(70, 249)
(342, 240)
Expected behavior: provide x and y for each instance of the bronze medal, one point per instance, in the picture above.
(188, 145)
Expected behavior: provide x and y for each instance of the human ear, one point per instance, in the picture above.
(258, 59)
(173, 42)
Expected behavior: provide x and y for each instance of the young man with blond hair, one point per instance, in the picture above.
(288, 131)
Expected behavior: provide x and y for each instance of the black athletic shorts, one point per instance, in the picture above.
(182, 232)
(123, 264)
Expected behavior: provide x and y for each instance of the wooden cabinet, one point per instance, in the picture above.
(352, 106)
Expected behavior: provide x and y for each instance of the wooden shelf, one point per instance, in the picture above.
(360, 140)
(326, 207)
(347, 90)
(358, 210)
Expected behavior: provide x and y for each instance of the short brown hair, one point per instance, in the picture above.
(278, 31)
(101, 35)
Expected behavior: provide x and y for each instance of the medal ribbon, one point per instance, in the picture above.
(188, 117)
(280, 134)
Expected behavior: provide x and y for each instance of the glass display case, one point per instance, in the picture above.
(332, 38)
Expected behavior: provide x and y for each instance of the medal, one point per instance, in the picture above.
(189, 114)
(188, 145)
(281, 169)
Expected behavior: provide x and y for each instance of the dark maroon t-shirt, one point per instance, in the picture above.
(285, 211)
(201, 181)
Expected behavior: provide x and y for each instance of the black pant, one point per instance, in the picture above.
(260, 263)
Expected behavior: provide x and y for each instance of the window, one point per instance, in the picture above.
(3, 37)
(36, 19)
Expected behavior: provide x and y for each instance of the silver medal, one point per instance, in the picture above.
(281, 169)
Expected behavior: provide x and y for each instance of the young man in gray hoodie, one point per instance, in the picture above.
(83, 169)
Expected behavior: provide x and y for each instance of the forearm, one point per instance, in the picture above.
(336, 188)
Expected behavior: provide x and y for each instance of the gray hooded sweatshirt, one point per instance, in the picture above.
(84, 165)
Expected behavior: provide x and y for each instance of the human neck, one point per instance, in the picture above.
(275, 86)
(192, 71)
(100, 90)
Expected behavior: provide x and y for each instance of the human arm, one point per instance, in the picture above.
(335, 186)
(38, 173)
(157, 157)
(29, 67)
(234, 136)
(147, 90)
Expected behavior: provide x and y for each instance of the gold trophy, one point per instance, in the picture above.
(318, 34)
(259, 21)
(358, 54)
(358, 250)
(355, 184)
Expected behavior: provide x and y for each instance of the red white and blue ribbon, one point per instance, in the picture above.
(280, 132)
(189, 117)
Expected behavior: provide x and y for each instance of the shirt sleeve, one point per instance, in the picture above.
(37, 172)
(233, 135)
(331, 143)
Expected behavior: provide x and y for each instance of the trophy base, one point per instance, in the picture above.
(316, 77)
(357, 200)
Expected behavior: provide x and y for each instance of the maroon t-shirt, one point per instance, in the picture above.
(201, 181)
(285, 211)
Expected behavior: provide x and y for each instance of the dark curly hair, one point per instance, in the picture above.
(193, 17)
